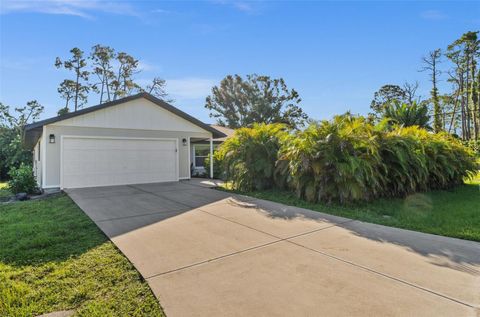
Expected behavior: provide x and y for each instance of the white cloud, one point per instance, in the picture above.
(190, 88)
(250, 7)
(84, 9)
(243, 6)
(161, 11)
(433, 15)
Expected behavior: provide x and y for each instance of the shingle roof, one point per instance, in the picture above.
(227, 131)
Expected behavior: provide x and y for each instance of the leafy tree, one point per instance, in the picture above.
(102, 57)
(404, 114)
(388, 93)
(157, 88)
(12, 124)
(447, 105)
(239, 102)
(67, 91)
(464, 53)
(431, 62)
(115, 74)
(77, 63)
(122, 84)
(385, 95)
(63, 111)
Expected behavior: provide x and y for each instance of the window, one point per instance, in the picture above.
(201, 153)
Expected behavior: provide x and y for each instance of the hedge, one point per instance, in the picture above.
(345, 160)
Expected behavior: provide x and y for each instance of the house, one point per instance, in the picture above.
(200, 150)
(137, 139)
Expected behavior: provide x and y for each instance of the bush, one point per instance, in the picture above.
(22, 179)
(335, 161)
(447, 161)
(12, 152)
(473, 145)
(248, 157)
(348, 159)
(217, 166)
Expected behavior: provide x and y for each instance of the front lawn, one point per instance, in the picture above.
(53, 257)
(453, 213)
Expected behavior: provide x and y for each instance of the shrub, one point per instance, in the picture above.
(405, 162)
(217, 166)
(248, 157)
(12, 152)
(473, 145)
(408, 114)
(335, 161)
(22, 179)
(348, 159)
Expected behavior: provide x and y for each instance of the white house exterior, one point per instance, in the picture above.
(137, 139)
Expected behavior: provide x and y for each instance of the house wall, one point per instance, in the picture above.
(52, 168)
(139, 118)
(140, 114)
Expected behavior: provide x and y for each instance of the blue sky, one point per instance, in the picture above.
(336, 54)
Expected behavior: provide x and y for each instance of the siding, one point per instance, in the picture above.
(52, 168)
(139, 114)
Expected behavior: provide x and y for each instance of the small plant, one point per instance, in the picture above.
(22, 179)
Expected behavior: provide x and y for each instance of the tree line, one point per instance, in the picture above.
(105, 72)
(457, 110)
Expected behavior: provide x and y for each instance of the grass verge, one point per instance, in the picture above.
(453, 213)
(53, 257)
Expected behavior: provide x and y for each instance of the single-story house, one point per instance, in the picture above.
(137, 139)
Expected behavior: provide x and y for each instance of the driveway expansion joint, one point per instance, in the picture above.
(384, 275)
(288, 239)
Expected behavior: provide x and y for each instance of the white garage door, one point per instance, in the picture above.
(88, 162)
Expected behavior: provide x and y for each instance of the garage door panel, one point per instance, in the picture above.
(101, 162)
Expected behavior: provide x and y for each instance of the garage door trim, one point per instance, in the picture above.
(114, 138)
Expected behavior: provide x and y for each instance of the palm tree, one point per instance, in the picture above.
(408, 114)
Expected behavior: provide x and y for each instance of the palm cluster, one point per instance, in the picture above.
(414, 114)
(344, 160)
(248, 158)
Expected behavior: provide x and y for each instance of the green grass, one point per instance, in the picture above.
(53, 257)
(454, 213)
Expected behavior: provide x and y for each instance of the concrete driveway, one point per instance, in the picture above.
(208, 253)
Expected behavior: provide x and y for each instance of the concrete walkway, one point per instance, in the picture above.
(209, 253)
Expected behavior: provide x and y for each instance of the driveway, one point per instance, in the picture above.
(209, 253)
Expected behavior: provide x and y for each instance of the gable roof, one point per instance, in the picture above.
(34, 130)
